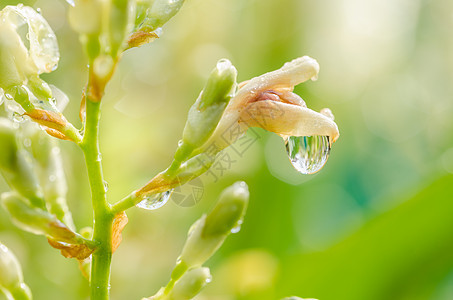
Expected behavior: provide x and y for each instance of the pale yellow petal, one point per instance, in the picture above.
(288, 120)
(292, 73)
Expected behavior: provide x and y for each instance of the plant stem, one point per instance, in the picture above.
(103, 217)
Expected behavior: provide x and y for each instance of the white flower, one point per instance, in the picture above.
(267, 101)
(18, 61)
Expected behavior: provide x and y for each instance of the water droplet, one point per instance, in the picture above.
(237, 228)
(99, 157)
(180, 142)
(70, 2)
(158, 31)
(155, 201)
(106, 186)
(308, 154)
(52, 178)
(17, 117)
(27, 143)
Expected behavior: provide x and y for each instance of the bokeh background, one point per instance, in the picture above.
(375, 223)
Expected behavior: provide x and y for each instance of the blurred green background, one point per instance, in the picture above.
(375, 223)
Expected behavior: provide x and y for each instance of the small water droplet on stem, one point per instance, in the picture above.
(155, 201)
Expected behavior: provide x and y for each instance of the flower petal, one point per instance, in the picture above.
(43, 42)
(288, 120)
(292, 73)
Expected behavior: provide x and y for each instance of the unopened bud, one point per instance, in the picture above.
(50, 166)
(11, 278)
(229, 210)
(16, 166)
(121, 23)
(160, 12)
(206, 112)
(209, 232)
(36, 220)
(190, 284)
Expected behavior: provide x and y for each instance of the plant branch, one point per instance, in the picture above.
(103, 217)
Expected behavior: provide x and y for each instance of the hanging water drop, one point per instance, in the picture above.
(237, 228)
(106, 186)
(155, 201)
(308, 154)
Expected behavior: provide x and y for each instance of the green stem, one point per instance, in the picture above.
(125, 203)
(103, 217)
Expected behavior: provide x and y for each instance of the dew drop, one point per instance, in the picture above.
(237, 228)
(308, 154)
(18, 118)
(106, 186)
(27, 143)
(52, 178)
(155, 201)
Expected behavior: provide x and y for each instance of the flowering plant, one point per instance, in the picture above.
(32, 118)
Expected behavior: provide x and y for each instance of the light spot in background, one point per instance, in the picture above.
(139, 103)
(397, 109)
(324, 215)
(446, 160)
(279, 164)
(204, 58)
(244, 273)
(359, 41)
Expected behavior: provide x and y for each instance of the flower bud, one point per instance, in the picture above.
(36, 220)
(16, 166)
(190, 284)
(50, 168)
(10, 270)
(160, 12)
(11, 278)
(121, 23)
(209, 232)
(205, 113)
(228, 212)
